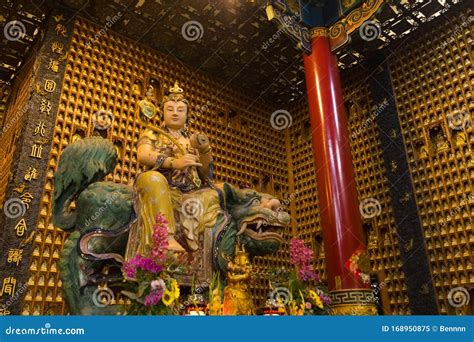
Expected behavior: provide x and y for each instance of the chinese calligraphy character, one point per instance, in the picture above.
(26, 199)
(39, 129)
(30, 174)
(57, 47)
(394, 166)
(45, 106)
(53, 65)
(49, 85)
(8, 286)
(20, 188)
(393, 133)
(58, 18)
(61, 30)
(36, 151)
(15, 255)
(21, 227)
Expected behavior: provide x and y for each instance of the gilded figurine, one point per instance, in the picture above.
(237, 296)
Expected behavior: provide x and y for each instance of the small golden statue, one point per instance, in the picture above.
(237, 296)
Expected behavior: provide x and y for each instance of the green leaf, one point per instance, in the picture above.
(130, 295)
(142, 287)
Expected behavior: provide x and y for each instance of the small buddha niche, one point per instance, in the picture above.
(318, 247)
(233, 120)
(157, 89)
(267, 184)
(421, 150)
(304, 133)
(79, 133)
(137, 88)
(118, 143)
(102, 122)
(438, 141)
(222, 118)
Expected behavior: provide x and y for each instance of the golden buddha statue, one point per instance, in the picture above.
(237, 296)
(179, 169)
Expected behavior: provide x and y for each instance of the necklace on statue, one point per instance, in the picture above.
(175, 134)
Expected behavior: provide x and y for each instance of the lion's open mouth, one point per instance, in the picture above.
(258, 228)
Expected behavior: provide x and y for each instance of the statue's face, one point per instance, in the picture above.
(175, 114)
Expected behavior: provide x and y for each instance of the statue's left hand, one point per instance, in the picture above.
(199, 141)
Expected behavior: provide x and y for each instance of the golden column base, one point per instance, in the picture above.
(355, 302)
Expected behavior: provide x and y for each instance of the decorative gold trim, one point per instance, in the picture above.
(319, 32)
(362, 289)
(354, 310)
(339, 32)
(356, 302)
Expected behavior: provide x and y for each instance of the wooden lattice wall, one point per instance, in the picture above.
(433, 82)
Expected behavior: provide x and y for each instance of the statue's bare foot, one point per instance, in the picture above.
(174, 246)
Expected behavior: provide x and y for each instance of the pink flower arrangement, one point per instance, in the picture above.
(153, 297)
(158, 251)
(302, 257)
(139, 262)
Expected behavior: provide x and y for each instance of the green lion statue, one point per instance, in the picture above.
(104, 213)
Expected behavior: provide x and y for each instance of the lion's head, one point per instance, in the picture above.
(260, 219)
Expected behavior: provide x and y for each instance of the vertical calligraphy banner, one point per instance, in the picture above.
(415, 262)
(23, 196)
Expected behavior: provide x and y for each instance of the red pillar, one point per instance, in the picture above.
(339, 208)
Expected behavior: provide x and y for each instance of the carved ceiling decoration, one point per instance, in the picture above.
(230, 39)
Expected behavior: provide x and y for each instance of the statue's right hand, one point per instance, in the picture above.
(186, 161)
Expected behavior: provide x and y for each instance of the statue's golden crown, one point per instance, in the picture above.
(175, 93)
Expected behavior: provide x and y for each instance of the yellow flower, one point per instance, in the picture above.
(313, 295)
(293, 308)
(318, 302)
(175, 288)
(167, 298)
